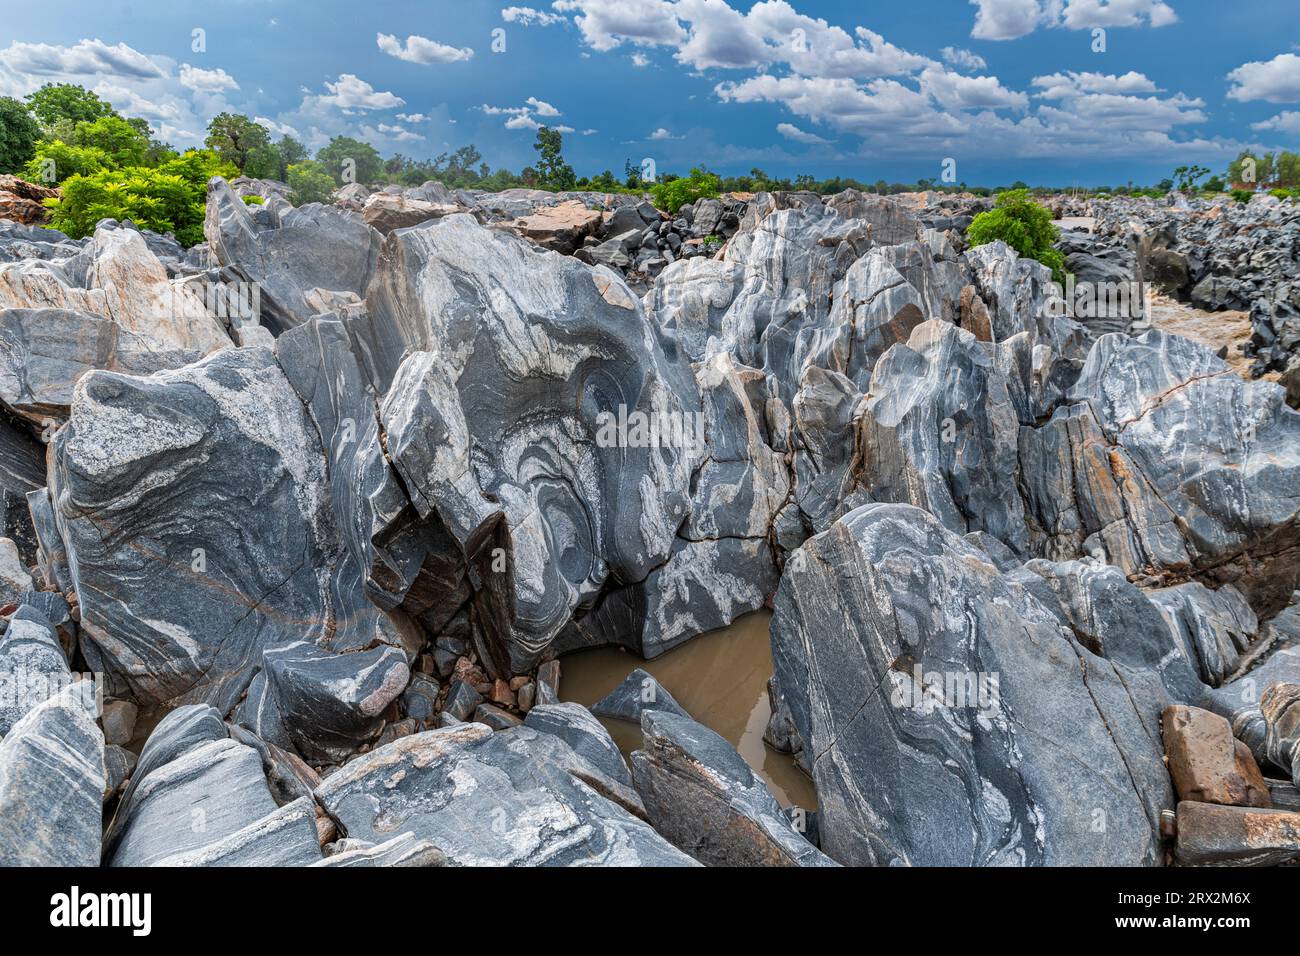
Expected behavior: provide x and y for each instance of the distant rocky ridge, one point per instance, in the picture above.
(334, 490)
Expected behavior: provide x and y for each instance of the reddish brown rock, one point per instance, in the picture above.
(24, 202)
(561, 227)
(387, 212)
(501, 694)
(1207, 763)
(1211, 835)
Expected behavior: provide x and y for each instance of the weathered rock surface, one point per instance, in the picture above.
(497, 799)
(637, 693)
(707, 802)
(308, 249)
(207, 487)
(200, 798)
(991, 766)
(1212, 835)
(575, 725)
(1207, 763)
(52, 784)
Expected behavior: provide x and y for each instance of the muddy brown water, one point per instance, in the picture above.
(720, 678)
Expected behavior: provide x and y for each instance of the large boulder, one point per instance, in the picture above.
(567, 426)
(199, 798)
(702, 796)
(1169, 465)
(950, 718)
(512, 798)
(52, 784)
(196, 514)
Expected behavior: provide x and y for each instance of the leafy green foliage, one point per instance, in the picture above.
(309, 181)
(169, 198)
(1024, 226)
(349, 160)
(120, 140)
(18, 135)
(56, 161)
(1242, 195)
(674, 193)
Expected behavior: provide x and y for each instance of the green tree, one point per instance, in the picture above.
(672, 194)
(1288, 170)
(55, 102)
(234, 137)
(1252, 169)
(18, 135)
(309, 181)
(1186, 177)
(349, 160)
(553, 172)
(119, 139)
(1024, 226)
(290, 152)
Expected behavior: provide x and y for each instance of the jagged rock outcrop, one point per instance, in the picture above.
(949, 718)
(295, 258)
(207, 487)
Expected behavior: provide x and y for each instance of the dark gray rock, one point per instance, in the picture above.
(240, 582)
(637, 693)
(311, 248)
(490, 799)
(33, 667)
(701, 795)
(951, 718)
(577, 727)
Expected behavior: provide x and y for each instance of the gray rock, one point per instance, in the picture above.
(403, 851)
(638, 693)
(44, 352)
(52, 785)
(577, 727)
(490, 799)
(703, 797)
(33, 667)
(951, 718)
(312, 247)
(284, 837)
(535, 489)
(242, 584)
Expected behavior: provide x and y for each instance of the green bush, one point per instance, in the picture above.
(673, 194)
(254, 200)
(1242, 195)
(63, 161)
(1024, 226)
(309, 181)
(1281, 193)
(170, 198)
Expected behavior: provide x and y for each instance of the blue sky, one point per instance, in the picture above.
(1009, 89)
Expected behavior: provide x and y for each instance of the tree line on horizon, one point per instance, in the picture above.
(112, 166)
